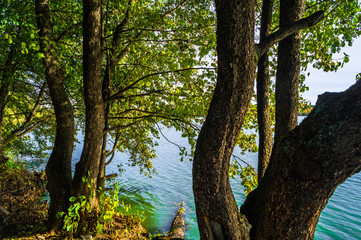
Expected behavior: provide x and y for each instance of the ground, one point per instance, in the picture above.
(23, 209)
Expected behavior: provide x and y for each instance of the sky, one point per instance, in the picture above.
(320, 81)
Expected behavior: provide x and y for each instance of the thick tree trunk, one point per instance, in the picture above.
(217, 214)
(88, 166)
(306, 168)
(4, 93)
(263, 80)
(58, 168)
(288, 70)
(6, 76)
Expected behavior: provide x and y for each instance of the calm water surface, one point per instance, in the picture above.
(157, 197)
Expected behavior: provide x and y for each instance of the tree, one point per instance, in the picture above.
(318, 46)
(58, 168)
(129, 93)
(288, 70)
(263, 82)
(88, 166)
(217, 212)
(317, 156)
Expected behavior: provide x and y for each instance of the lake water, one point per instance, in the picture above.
(157, 197)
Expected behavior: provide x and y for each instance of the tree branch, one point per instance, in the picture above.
(120, 127)
(31, 115)
(25, 131)
(111, 154)
(286, 31)
(68, 30)
(120, 92)
(166, 14)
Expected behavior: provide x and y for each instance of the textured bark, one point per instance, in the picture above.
(263, 81)
(58, 168)
(317, 156)
(288, 70)
(109, 71)
(88, 166)
(6, 76)
(217, 214)
(4, 93)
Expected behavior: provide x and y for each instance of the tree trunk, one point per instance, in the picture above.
(306, 168)
(4, 92)
(263, 80)
(88, 166)
(288, 70)
(109, 71)
(6, 76)
(58, 168)
(217, 214)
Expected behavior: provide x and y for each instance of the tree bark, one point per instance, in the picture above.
(88, 166)
(305, 169)
(6, 76)
(217, 214)
(263, 81)
(288, 70)
(58, 168)
(4, 93)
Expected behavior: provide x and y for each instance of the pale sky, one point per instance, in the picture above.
(320, 82)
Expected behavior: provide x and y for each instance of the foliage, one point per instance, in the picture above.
(27, 107)
(249, 179)
(320, 45)
(110, 217)
(71, 219)
(247, 174)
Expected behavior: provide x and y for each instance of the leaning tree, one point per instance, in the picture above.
(300, 168)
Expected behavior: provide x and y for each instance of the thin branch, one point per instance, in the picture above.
(67, 31)
(31, 128)
(112, 153)
(160, 130)
(165, 40)
(288, 30)
(119, 93)
(120, 127)
(140, 95)
(135, 109)
(18, 132)
(166, 14)
(238, 158)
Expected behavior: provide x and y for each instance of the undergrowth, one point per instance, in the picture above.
(21, 194)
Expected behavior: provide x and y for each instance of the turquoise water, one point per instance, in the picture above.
(157, 197)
